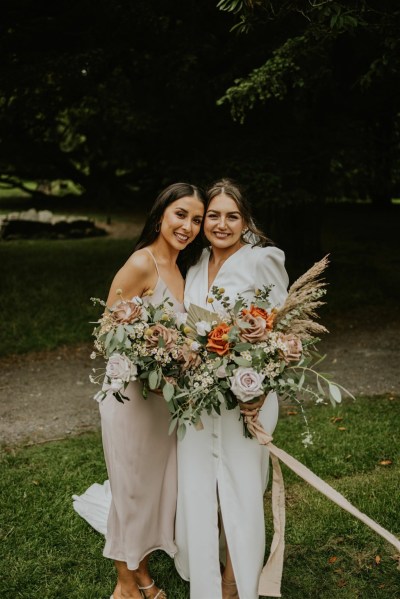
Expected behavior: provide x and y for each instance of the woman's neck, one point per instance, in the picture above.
(219, 255)
(163, 252)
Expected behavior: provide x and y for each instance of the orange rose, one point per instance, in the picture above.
(218, 339)
(260, 313)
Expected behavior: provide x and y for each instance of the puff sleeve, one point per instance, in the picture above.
(270, 269)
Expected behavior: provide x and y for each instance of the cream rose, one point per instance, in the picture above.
(160, 331)
(127, 311)
(203, 327)
(246, 383)
(255, 331)
(120, 369)
(294, 348)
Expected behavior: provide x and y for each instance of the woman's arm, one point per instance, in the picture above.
(270, 270)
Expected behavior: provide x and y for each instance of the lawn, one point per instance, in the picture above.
(48, 552)
(46, 288)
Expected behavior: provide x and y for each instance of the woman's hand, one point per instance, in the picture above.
(251, 409)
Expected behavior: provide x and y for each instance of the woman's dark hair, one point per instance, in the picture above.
(253, 234)
(191, 254)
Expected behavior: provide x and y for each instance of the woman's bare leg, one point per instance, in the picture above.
(126, 587)
(229, 588)
(129, 581)
(144, 579)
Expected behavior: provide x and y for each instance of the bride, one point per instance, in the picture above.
(222, 474)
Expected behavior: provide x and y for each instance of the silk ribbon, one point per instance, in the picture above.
(271, 575)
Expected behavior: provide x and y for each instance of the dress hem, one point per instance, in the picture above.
(109, 555)
(179, 570)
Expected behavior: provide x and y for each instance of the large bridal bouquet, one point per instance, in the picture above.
(139, 342)
(247, 349)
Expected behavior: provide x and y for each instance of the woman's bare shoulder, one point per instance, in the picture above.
(141, 262)
(135, 277)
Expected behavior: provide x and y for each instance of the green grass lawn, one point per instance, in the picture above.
(48, 552)
(46, 288)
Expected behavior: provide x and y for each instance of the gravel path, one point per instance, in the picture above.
(47, 395)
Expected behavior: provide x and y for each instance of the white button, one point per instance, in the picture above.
(215, 455)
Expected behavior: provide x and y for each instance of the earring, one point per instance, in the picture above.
(158, 227)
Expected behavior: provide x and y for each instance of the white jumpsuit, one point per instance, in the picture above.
(218, 466)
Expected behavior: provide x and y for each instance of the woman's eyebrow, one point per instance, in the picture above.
(228, 213)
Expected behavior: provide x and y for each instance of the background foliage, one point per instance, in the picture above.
(121, 98)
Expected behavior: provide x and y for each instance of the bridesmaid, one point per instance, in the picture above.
(139, 453)
(222, 475)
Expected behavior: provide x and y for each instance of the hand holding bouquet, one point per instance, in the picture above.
(140, 342)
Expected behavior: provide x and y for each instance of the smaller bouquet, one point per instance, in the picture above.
(247, 349)
(140, 341)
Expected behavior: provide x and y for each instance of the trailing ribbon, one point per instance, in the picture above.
(271, 575)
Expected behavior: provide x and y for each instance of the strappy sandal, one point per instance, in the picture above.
(160, 595)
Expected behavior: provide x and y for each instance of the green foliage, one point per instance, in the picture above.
(124, 102)
(266, 82)
(333, 66)
(47, 551)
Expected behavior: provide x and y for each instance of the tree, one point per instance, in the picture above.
(118, 97)
(334, 65)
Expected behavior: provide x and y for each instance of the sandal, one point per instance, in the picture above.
(160, 595)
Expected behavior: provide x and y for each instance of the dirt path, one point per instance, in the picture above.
(48, 395)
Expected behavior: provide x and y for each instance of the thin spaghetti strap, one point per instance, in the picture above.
(154, 260)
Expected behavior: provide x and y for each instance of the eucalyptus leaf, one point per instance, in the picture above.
(335, 393)
(153, 379)
(181, 432)
(241, 361)
(320, 388)
(120, 334)
(171, 407)
(220, 396)
(108, 338)
(172, 426)
(242, 346)
(113, 344)
(168, 391)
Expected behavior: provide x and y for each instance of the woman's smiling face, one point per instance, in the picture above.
(181, 221)
(223, 223)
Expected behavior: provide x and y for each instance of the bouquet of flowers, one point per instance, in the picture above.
(140, 342)
(247, 349)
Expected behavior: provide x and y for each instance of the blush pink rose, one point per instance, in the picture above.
(160, 331)
(126, 311)
(190, 358)
(256, 331)
(294, 348)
